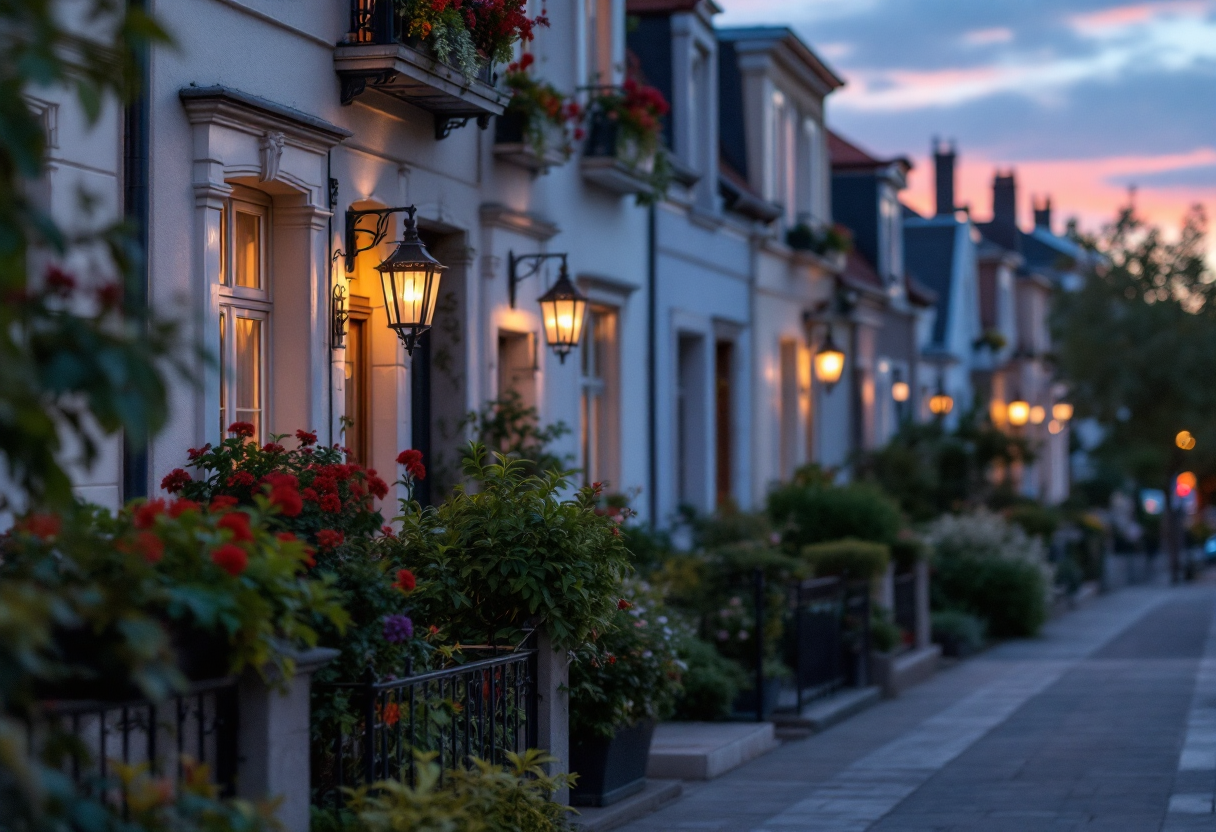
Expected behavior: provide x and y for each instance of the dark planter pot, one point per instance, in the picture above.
(610, 770)
(602, 136)
(745, 702)
(509, 128)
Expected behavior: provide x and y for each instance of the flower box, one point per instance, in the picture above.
(609, 770)
(615, 161)
(511, 144)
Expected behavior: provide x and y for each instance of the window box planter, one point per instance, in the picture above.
(376, 55)
(616, 162)
(610, 770)
(511, 144)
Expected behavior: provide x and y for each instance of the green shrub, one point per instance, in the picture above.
(485, 798)
(513, 555)
(1035, 519)
(885, 636)
(958, 632)
(815, 514)
(711, 682)
(631, 673)
(728, 527)
(648, 546)
(851, 559)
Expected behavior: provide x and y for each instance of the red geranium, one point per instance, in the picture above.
(150, 546)
(241, 479)
(231, 558)
(179, 507)
(623, 604)
(306, 437)
(328, 538)
(175, 480)
(411, 460)
(222, 502)
(236, 522)
(242, 429)
(331, 503)
(146, 513)
(405, 580)
(41, 526)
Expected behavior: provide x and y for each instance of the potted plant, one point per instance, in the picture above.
(540, 125)
(619, 688)
(626, 129)
(470, 37)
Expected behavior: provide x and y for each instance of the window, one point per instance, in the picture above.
(811, 180)
(600, 396)
(892, 231)
(788, 438)
(357, 418)
(724, 404)
(598, 45)
(244, 319)
(776, 160)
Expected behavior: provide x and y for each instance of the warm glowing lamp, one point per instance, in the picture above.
(563, 309)
(829, 362)
(900, 391)
(1038, 414)
(1055, 426)
(1061, 411)
(410, 279)
(1018, 413)
(1185, 484)
(1184, 440)
(941, 403)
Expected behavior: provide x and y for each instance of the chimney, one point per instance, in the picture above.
(1004, 200)
(1042, 214)
(943, 162)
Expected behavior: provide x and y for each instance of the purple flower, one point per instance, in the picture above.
(398, 628)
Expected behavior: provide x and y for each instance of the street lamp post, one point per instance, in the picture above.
(1184, 441)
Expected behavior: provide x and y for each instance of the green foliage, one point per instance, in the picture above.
(1035, 519)
(485, 798)
(958, 632)
(885, 636)
(930, 470)
(850, 559)
(907, 550)
(648, 546)
(710, 682)
(512, 555)
(630, 674)
(507, 426)
(730, 526)
(992, 569)
(1135, 341)
(73, 365)
(834, 238)
(815, 514)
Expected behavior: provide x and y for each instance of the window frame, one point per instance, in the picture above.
(606, 387)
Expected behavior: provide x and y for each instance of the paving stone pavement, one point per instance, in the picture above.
(1105, 722)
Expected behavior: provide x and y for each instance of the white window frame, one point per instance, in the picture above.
(244, 302)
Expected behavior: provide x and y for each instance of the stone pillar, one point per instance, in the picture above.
(553, 707)
(273, 743)
(924, 627)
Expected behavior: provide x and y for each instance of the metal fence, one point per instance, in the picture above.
(164, 739)
(905, 602)
(482, 709)
(828, 638)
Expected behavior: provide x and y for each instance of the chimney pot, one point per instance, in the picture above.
(943, 161)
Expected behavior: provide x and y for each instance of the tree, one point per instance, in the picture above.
(1136, 344)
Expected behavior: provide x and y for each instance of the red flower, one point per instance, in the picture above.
(288, 501)
(325, 485)
(331, 503)
(146, 513)
(286, 537)
(405, 580)
(150, 546)
(310, 495)
(273, 448)
(195, 453)
(328, 538)
(109, 295)
(179, 507)
(59, 281)
(623, 604)
(412, 461)
(41, 526)
(611, 659)
(387, 531)
(236, 522)
(223, 502)
(175, 480)
(241, 479)
(231, 558)
(377, 487)
(307, 437)
(244, 429)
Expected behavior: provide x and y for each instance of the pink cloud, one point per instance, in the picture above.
(1121, 16)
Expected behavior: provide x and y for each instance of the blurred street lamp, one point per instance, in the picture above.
(900, 391)
(1184, 440)
(1055, 426)
(941, 403)
(1018, 413)
(1037, 414)
(1185, 484)
(829, 362)
(1061, 411)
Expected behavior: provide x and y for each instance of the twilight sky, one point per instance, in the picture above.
(1082, 97)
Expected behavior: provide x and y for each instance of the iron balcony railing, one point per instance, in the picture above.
(481, 709)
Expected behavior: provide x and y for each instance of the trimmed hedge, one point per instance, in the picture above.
(817, 514)
(1009, 595)
(849, 558)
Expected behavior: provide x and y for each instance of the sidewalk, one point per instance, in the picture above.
(1043, 734)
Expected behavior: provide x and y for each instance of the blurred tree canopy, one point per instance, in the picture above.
(1136, 344)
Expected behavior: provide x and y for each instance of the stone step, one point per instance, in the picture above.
(656, 795)
(826, 712)
(705, 750)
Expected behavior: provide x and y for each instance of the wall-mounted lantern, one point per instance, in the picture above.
(1038, 414)
(1061, 411)
(900, 391)
(941, 402)
(563, 308)
(409, 277)
(829, 362)
(1018, 413)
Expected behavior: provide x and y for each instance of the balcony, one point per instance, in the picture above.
(615, 163)
(377, 54)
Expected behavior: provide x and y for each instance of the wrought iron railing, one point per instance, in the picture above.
(905, 602)
(829, 636)
(375, 21)
(481, 709)
(163, 738)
